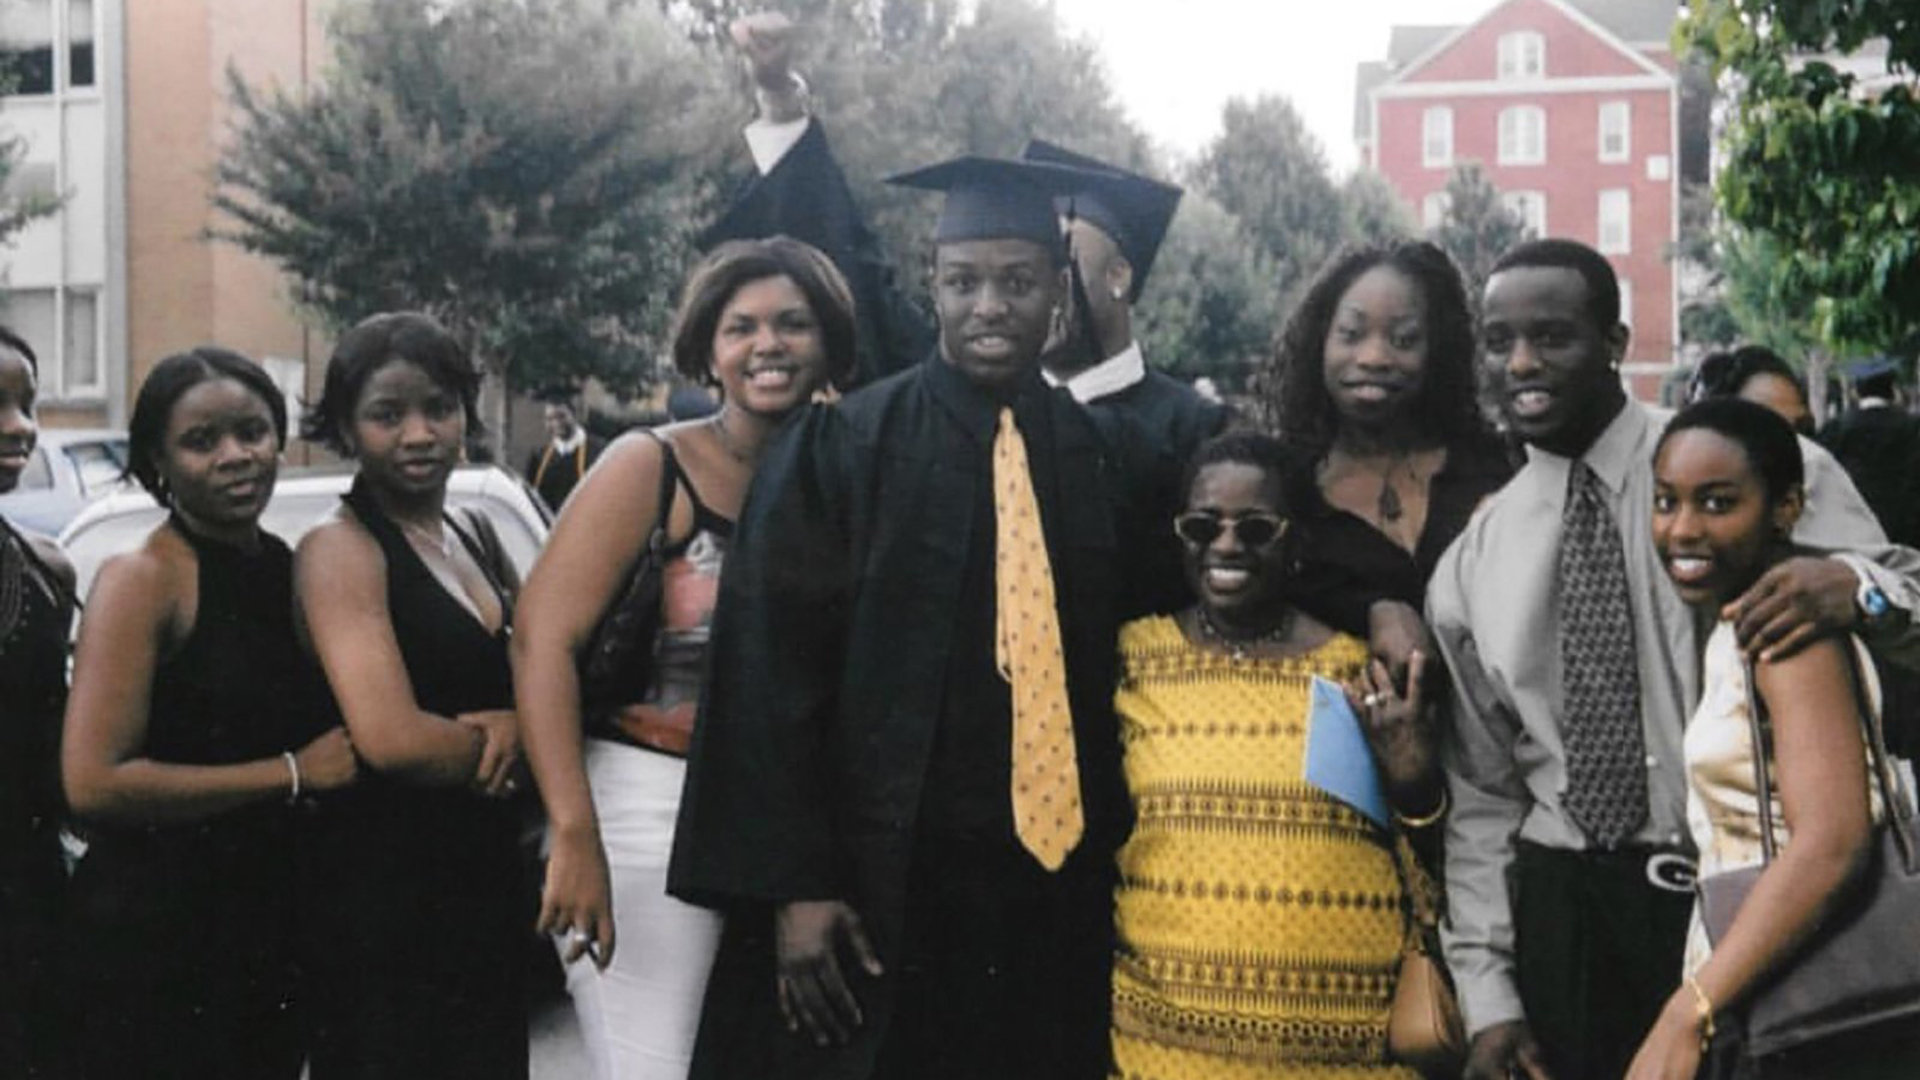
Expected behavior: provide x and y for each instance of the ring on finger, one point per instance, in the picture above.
(1370, 700)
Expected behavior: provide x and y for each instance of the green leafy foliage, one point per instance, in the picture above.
(18, 209)
(1477, 228)
(1821, 179)
(1267, 170)
(1211, 309)
(520, 168)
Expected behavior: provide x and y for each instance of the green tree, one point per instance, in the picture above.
(1823, 178)
(18, 208)
(1268, 170)
(1375, 214)
(1210, 309)
(1477, 227)
(522, 169)
(902, 83)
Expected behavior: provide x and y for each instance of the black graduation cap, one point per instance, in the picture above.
(997, 199)
(1135, 210)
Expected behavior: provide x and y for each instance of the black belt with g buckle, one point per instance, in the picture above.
(1673, 871)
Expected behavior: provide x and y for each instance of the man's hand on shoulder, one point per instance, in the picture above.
(1793, 603)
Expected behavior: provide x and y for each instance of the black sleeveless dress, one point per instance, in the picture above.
(419, 945)
(187, 933)
(35, 1028)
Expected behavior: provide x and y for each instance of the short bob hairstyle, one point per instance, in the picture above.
(1303, 410)
(738, 263)
(372, 344)
(166, 384)
(1252, 448)
(1771, 447)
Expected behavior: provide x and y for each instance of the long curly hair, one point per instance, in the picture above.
(1297, 403)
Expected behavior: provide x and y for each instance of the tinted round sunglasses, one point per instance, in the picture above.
(1254, 531)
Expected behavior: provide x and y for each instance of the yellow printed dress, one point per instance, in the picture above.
(1260, 921)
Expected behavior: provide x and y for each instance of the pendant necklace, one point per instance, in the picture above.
(1240, 647)
(726, 439)
(1389, 507)
(427, 542)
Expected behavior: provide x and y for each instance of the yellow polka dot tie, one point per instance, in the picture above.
(1046, 774)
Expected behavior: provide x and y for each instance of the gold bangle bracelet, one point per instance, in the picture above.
(1703, 1013)
(1430, 818)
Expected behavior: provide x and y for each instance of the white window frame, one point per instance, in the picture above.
(1532, 208)
(1516, 123)
(1522, 55)
(60, 13)
(1436, 137)
(55, 369)
(1613, 230)
(1617, 116)
(1626, 303)
(1433, 210)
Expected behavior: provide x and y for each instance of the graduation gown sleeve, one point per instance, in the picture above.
(754, 824)
(807, 197)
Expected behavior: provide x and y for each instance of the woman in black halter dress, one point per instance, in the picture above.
(419, 943)
(193, 730)
(35, 610)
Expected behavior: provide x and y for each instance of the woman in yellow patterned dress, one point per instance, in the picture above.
(1260, 921)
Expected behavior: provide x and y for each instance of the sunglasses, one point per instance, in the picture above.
(1253, 531)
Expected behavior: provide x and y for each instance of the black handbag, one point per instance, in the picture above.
(1861, 968)
(616, 666)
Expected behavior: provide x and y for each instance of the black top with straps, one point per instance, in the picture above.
(33, 692)
(34, 617)
(422, 911)
(690, 571)
(206, 910)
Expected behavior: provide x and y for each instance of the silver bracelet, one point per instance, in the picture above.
(293, 770)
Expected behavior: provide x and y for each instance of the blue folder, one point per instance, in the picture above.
(1338, 759)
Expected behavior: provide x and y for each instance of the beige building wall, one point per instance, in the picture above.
(182, 288)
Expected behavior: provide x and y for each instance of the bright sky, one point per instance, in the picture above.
(1175, 63)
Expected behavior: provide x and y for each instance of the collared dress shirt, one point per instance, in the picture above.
(1108, 377)
(1493, 607)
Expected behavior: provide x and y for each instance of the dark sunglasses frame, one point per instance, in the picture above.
(1201, 528)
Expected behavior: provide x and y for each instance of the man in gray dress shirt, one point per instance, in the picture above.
(1564, 949)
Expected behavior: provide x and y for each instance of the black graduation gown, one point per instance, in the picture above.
(1154, 427)
(1880, 449)
(554, 475)
(806, 196)
(853, 742)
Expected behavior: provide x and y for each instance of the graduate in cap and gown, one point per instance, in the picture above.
(1154, 423)
(910, 817)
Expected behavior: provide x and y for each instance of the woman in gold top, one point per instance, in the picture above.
(1260, 920)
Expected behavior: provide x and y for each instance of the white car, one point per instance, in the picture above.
(68, 469)
(301, 498)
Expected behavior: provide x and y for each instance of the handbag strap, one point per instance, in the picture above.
(1892, 792)
(663, 502)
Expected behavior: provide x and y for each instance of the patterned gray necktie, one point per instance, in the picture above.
(1606, 749)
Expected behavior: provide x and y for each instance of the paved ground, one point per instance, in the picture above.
(558, 1053)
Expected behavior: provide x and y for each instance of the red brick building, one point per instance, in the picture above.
(1572, 108)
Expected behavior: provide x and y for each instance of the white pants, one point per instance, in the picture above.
(639, 1016)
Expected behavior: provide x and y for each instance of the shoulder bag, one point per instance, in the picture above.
(1424, 1028)
(1861, 967)
(616, 666)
